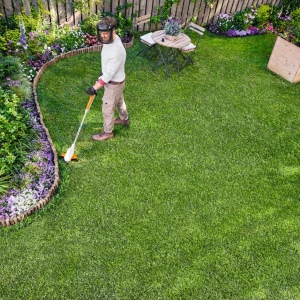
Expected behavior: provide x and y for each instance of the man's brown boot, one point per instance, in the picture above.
(103, 136)
(122, 122)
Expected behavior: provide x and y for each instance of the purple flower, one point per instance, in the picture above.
(231, 33)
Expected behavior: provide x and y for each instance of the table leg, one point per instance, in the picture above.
(162, 60)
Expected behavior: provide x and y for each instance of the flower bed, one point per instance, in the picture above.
(259, 20)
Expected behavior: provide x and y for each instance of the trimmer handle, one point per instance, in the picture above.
(88, 106)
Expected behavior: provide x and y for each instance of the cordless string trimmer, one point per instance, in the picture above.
(69, 155)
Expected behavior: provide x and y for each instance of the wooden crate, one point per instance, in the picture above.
(285, 60)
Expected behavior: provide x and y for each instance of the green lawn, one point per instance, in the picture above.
(197, 199)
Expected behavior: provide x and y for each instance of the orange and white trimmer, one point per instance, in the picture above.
(69, 155)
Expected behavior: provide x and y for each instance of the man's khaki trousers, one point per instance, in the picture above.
(113, 98)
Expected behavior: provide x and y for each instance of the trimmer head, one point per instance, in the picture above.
(74, 157)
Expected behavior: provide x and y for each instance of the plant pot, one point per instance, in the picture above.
(285, 60)
(171, 37)
(128, 44)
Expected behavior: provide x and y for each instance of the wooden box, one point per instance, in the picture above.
(285, 60)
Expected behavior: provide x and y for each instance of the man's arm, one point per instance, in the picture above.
(98, 85)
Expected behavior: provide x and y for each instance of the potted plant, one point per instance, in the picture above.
(172, 28)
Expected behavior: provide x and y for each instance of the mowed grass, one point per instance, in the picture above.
(197, 199)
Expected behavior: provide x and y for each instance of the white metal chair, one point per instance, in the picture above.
(187, 51)
(146, 41)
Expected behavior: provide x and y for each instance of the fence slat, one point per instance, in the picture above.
(184, 10)
(212, 12)
(147, 27)
(26, 7)
(107, 6)
(234, 6)
(217, 11)
(17, 6)
(189, 13)
(140, 12)
(200, 12)
(229, 6)
(8, 7)
(206, 11)
(69, 13)
(93, 8)
(2, 10)
(244, 5)
(53, 11)
(34, 4)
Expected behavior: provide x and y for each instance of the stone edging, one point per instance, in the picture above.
(40, 204)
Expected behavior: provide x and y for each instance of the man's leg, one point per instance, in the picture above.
(108, 108)
(121, 106)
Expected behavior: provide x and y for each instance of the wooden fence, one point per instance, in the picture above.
(63, 12)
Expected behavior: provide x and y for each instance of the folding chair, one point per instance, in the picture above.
(146, 41)
(188, 51)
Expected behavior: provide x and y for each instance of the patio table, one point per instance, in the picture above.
(174, 46)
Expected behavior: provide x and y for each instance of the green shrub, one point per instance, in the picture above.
(244, 19)
(15, 132)
(295, 14)
(9, 66)
(3, 25)
(12, 77)
(291, 5)
(295, 39)
(89, 24)
(4, 181)
(9, 42)
(263, 15)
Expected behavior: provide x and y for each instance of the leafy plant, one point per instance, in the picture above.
(89, 24)
(14, 131)
(263, 15)
(124, 24)
(84, 5)
(69, 39)
(163, 12)
(244, 19)
(296, 35)
(225, 22)
(291, 5)
(13, 78)
(4, 181)
(295, 15)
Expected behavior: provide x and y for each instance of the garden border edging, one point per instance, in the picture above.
(43, 202)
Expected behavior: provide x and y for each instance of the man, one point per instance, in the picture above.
(113, 57)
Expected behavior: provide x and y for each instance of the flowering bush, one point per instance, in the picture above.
(90, 40)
